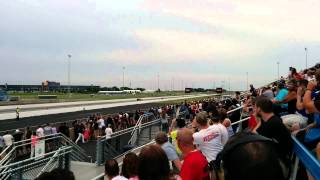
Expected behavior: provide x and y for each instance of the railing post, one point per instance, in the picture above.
(67, 161)
(99, 152)
(295, 168)
(60, 161)
(137, 138)
(150, 130)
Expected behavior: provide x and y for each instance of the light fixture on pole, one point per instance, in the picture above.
(158, 82)
(278, 63)
(306, 50)
(69, 68)
(123, 68)
(247, 81)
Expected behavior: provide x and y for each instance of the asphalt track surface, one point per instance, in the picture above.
(62, 117)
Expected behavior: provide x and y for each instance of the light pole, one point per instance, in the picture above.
(158, 81)
(306, 49)
(123, 68)
(69, 68)
(247, 81)
(278, 69)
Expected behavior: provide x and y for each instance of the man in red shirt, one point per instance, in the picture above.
(195, 165)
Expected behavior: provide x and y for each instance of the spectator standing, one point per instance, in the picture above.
(34, 141)
(47, 130)
(153, 164)
(17, 136)
(108, 131)
(173, 135)
(8, 139)
(209, 138)
(162, 140)
(112, 170)
(80, 131)
(64, 129)
(130, 167)
(195, 164)
(40, 131)
(2, 144)
(28, 133)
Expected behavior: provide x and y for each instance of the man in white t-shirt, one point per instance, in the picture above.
(209, 138)
(101, 125)
(108, 131)
(8, 139)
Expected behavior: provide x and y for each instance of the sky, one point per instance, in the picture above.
(184, 43)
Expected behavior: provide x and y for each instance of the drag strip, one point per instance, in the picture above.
(52, 118)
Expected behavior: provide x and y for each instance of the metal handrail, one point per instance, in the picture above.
(35, 158)
(22, 143)
(233, 110)
(51, 159)
(102, 138)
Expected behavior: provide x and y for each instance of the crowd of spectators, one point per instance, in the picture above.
(91, 128)
(202, 144)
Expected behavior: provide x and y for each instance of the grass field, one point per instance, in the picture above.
(29, 98)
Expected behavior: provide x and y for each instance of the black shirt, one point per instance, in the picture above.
(292, 106)
(275, 129)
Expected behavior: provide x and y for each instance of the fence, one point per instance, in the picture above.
(121, 141)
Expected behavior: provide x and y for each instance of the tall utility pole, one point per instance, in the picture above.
(158, 81)
(247, 81)
(123, 68)
(306, 49)
(278, 63)
(69, 68)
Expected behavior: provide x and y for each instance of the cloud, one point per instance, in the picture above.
(172, 46)
(275, 19)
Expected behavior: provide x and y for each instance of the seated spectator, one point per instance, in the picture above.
(268, 93)
(195, 165)
(259, 154)
(272, 126)
(162, 140)
(278, 106)
(57, 174)
(209, 138)
(130, 167)
(153, 164)
(112, 170)
(291, 98)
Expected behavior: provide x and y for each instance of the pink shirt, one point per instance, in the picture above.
(34, 140)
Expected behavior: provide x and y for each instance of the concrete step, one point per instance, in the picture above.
(84, 170)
